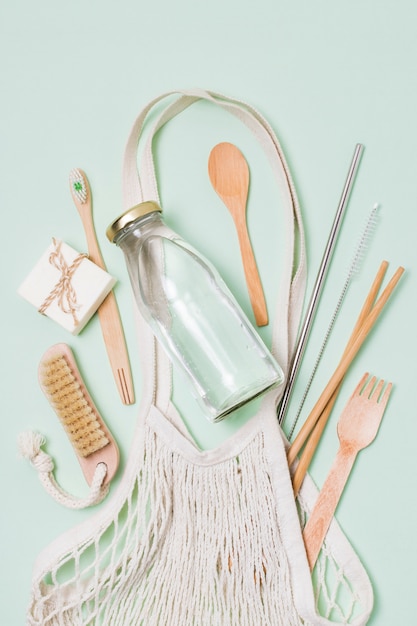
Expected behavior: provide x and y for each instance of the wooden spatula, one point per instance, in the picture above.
(357, 428)
(229, 175)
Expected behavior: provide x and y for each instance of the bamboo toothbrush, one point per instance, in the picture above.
(108, 312)
(65, 390)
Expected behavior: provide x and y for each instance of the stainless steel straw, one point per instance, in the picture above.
(353, 269)
(305, 330)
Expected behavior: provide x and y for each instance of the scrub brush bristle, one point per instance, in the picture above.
(68, 401)
(62, 384)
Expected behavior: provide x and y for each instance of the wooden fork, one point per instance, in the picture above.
(357, 428)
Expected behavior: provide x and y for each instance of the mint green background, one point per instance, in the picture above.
(326, 75)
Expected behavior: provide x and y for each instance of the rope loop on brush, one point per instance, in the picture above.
(30, 447)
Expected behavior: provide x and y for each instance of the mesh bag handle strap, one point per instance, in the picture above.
(140, 184)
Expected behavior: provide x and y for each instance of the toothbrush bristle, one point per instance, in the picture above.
(78, 185)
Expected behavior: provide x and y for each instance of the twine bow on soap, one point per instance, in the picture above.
(63, 291)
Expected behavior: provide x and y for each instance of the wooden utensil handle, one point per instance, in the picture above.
(115, 343)
(327, 501)
(110, 322)
(94, 251)
(253, 280)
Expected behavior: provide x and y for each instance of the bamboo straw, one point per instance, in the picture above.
(366, 308)
(313, 440)
(312, 443)
(367, 318)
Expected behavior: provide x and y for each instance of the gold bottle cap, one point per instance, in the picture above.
(129, 216)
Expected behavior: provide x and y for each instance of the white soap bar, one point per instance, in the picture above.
(66, 286)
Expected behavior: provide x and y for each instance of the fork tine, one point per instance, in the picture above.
(361, 385)
(368, 389)
(386, 394)
(377, 391)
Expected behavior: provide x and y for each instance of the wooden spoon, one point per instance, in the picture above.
(229, 175)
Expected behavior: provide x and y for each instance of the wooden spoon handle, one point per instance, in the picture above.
(253, 280)
(327, 501)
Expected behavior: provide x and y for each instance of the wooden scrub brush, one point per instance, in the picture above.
(62, 384)
(94, 446)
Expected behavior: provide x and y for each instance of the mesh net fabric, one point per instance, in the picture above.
(190, 544)
(338, 594)
(192, 538)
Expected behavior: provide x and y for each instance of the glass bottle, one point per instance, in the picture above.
(193, 314)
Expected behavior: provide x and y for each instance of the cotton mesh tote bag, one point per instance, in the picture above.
(203, 537)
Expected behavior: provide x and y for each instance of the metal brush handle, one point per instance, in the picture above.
(305, 330)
